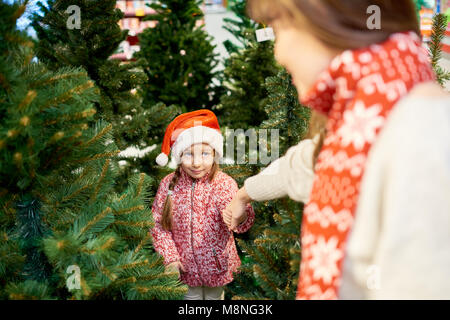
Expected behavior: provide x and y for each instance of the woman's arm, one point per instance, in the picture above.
(291, 175)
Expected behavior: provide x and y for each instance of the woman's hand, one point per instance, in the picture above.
(236, 211)
(174, 266)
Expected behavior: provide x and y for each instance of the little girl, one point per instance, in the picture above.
(189, 230)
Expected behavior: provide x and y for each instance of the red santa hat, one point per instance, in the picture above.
(200, 126)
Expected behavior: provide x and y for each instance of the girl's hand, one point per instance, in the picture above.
(227, 214)
(236, 211)
(174, 266)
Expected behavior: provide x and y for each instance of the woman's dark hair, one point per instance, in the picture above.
(340, 24)
(166, 219)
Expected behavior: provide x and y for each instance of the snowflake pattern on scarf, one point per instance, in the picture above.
(357, 92)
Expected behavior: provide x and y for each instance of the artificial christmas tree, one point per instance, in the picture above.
(178, 57)
(64, 233)
(271, 249)
(239, 26)
(242, 104)
(260, 95)
(284, 111)
(90, 47)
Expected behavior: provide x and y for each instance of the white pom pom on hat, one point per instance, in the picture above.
(200, 126)
(162, 159)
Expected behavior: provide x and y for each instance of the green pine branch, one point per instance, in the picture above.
(178, 57)
(435, 47)
(58, 206)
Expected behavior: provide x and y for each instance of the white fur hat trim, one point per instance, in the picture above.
(197, 134)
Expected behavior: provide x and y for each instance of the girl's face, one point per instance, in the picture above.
(301, 53)
(197, 160)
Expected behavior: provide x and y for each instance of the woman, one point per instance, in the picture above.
(377, 220)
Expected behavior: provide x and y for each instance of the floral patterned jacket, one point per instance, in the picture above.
(199, 238)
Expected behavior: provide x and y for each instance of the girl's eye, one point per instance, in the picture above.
(206, 153)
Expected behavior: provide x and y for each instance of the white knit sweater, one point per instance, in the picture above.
(399, 245)
(291, 175)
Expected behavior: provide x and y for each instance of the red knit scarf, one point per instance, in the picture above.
(357, 92)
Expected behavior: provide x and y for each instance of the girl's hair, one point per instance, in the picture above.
(338, 24)
(166, 219)
(317, 125)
